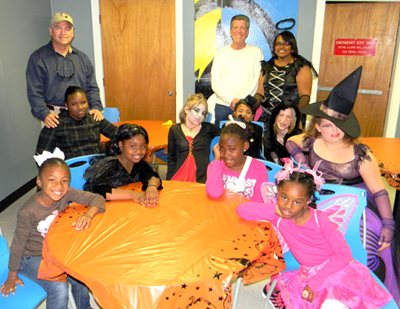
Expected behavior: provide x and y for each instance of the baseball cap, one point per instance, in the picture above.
(57, 17)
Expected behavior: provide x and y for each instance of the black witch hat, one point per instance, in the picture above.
(339, 104)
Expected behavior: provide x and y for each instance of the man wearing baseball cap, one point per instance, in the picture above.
(56, 66)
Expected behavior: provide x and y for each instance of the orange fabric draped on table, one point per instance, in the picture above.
(158, 134)
(386, 151)
(182, 252)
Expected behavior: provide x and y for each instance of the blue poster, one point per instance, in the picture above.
(212, 25)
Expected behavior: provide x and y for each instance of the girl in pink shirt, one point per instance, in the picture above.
(235, 172)
(328, 275)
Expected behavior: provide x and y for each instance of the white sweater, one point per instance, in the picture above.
(235, 73)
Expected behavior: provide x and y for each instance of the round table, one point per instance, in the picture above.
(182, 253)
(157, 132)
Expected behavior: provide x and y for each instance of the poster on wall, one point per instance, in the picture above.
(212, 25)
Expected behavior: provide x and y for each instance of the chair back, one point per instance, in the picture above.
(345, 206)
(111, 114)
(214, 142)
(77, 170)
(272, 168)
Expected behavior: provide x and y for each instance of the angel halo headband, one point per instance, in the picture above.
(48, 155)
(289, 168)
(233, 121)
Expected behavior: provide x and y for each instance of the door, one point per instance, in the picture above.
(361, 21)
(138, 38)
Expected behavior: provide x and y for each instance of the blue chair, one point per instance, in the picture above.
(208, 118)
(77, 170)
(111, 114)
(160, 154)
(273, 168)
(357, 202)
(27, 297)
(214, 142)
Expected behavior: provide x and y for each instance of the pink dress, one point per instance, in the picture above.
(326, 263)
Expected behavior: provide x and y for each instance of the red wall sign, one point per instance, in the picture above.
(355, 47)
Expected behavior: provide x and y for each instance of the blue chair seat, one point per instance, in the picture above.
(27, 297)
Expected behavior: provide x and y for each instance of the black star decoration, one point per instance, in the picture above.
(197, 288)
(220, 298)
(184, 286)
(210, 289)
(217, 275)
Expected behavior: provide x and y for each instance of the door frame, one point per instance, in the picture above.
(98, 52)
(393, 106)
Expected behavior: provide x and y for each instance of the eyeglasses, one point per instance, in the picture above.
(69, 65)
(282, 44)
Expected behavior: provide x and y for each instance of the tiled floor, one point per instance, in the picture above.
(249, 297)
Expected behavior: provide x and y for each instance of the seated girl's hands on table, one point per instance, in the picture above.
(82, 222)
(151, 196)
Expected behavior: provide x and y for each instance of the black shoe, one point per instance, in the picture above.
(275, 300)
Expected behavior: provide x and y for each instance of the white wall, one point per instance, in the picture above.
(23, 29)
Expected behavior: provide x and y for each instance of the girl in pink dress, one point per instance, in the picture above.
(328, 275)
(235, 172)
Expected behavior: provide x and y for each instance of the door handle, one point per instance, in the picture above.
(362, 91)
(170, 93)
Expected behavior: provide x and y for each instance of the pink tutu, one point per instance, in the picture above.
(353, 286)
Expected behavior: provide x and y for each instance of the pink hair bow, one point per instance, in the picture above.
(289, 168)
(318, 180)
(233, 121)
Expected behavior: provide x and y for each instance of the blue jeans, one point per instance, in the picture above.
(221, 113)
(57, 292)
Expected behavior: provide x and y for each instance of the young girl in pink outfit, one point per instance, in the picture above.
(235, 172)
(328, 276)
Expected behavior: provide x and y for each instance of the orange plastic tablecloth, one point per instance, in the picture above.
(386, 151)
(183, 252)
(158, 134)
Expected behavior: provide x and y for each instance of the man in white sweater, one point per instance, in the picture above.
(236, 70)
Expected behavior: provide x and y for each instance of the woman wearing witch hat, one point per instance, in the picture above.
(332, 138)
